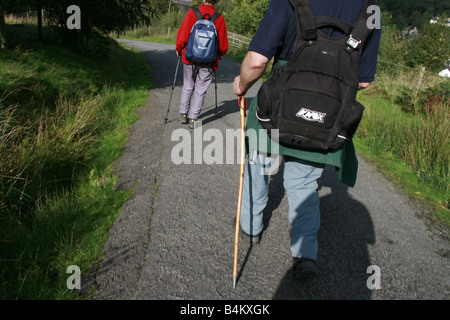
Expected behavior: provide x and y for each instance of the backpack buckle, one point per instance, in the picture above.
(310, 35)
(353, 42)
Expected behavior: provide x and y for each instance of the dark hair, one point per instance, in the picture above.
(213, 2)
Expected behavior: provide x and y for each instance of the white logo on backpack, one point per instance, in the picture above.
(311, 115)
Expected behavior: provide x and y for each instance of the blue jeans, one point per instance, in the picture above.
(300, 182)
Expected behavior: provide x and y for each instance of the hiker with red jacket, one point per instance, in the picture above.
(197, 78)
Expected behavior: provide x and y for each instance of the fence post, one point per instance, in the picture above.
(39, 18)
(416, 90)
(419, 82)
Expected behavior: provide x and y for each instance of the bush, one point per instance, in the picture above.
(423, 101)
(430, 48)
(246, 15)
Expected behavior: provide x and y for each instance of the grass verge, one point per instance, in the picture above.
(411, 150)
(64, 118)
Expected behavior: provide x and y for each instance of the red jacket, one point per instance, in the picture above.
(186, 26)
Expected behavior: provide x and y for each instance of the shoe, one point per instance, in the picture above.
(253, 239)
(192, 123)
(183, 118)
(303, 268)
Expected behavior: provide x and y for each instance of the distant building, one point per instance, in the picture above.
(183, 2)
(410, 33)
(445, 73)
(445, 21)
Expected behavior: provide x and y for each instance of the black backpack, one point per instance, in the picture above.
(311, 100)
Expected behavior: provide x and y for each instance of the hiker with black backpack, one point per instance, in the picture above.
(324, 51)
(201, 40)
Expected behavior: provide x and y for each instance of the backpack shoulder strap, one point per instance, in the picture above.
(215, 16)
(198, 14)
(306, 26)
(361, 30)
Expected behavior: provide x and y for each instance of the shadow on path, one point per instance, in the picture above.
(345, 233)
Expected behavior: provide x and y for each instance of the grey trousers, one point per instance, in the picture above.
(195, 84)
(300, 182)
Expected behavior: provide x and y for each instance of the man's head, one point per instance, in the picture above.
(213, 2)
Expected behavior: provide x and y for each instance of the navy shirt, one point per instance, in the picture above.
(277, 31)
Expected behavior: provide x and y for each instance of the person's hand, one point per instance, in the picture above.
(178, 54)
(236, 87)
(363, 85)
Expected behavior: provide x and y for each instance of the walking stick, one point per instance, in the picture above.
(243, 106)
(173, 86)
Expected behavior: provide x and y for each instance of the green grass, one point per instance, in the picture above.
(412, 150)
(163, 35)
(156, 39)
(64, 119)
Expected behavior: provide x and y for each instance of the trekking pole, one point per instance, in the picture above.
(173, 86)
(215, 79)
(242, 106)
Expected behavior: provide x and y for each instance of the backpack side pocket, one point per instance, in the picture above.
(350, 120)
(264, 107)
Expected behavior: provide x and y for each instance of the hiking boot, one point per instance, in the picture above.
(253, 239)
(183, 118)
(303, 269)
(192, 123)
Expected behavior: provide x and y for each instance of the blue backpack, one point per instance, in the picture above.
(203, 44)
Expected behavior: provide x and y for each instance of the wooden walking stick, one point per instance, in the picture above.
(242, 106)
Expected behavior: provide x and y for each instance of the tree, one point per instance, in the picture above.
(5, 6)
(430, 48)
(392, 47)
(160, 6)
(39, 18)
(2, 27)
(103, 16)
(98, 19)
(246, 16)
(415, 13)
